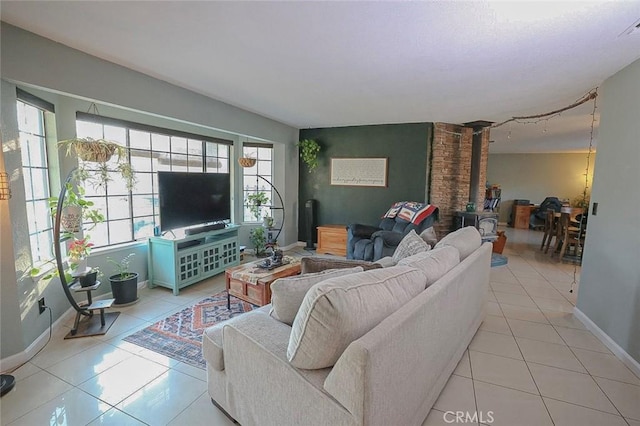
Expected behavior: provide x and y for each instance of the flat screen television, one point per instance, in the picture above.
(188, 199)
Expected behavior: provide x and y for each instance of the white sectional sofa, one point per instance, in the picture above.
(405, 343)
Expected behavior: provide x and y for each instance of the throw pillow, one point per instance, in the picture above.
(433, 263)
(287, 293)
(429, 236)
(410, 245)
(466, 240)
(338, 311)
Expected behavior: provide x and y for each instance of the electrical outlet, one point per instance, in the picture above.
(41, 305)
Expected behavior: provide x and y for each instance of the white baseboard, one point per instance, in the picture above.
(14, 361)
(608, 342)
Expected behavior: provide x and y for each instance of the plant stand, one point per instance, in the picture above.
(90, 325)
(81, 328)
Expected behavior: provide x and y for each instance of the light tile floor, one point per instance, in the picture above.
(531, 363)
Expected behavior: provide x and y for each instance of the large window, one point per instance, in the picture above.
(252, 183)
(35, 171)
(131, 215)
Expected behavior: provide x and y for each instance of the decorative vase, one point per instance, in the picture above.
(125, 290)
(71, 218)
(471, 207)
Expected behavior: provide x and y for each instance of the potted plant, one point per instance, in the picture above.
(255, 201)
(78, 251)
(100, 151)
(259, 241)
(124, 283)
(309, 150)
(75, 208)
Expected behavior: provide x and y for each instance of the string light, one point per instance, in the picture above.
(586, 187)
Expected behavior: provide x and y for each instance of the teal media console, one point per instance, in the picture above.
(179, 260)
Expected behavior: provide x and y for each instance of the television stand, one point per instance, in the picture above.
(180, 260)
(205, 228)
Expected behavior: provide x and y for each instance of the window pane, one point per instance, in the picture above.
(99, 235)
(116, 134)
(160, 142)
(144, 183)
(42, 215)
(141, 160)
(264, 153)
(264, 168)
(119, 207)
(195, 147)
(179, 145)
(143, 227)
(37, 151)
(195, 163)
(214, 165)
(142, 205)
(28, 192)
(223, 150)
(40, 183)
(139, 139)
(120, 231)
(86, 129)
(179, 163)
(212, 149)
(116, 185)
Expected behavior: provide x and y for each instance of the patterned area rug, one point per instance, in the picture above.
(180, 335)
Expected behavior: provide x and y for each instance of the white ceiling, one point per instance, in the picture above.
(333, 63)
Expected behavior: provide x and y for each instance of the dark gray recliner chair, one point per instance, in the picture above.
(366, 242)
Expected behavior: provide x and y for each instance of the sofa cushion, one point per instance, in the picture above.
(466, 240)
(310, 264)
(433, 263)
(287, 293)
(340, 310)
(410, 245)
(429, 236)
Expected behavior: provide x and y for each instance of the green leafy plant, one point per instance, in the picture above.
(255, 201)
(75, 197)
(122, 267)
(258, 240)
(100, 151)
(309, 150)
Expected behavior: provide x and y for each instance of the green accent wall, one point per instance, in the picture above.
(405, 145)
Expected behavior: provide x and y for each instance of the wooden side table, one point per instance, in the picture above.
(252, 284)
(332, 239)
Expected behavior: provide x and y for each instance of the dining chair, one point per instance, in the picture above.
(570, 236)
(549, 230)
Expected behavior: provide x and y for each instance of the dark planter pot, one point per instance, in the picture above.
(87, 280)
(124, 290)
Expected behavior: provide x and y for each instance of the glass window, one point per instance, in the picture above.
(35, 170)
(254, 179)
(132, 215)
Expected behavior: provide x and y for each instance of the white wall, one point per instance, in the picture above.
(536, 176)
(610, 280)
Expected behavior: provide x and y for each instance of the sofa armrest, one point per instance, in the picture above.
(263, 388)
(362, 231)
(390, 238)
(213, 342)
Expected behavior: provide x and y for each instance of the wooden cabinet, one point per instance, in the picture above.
(521, 214)
(178, 261)
(332, 239)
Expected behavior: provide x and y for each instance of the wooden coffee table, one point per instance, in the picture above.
(252, 284)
